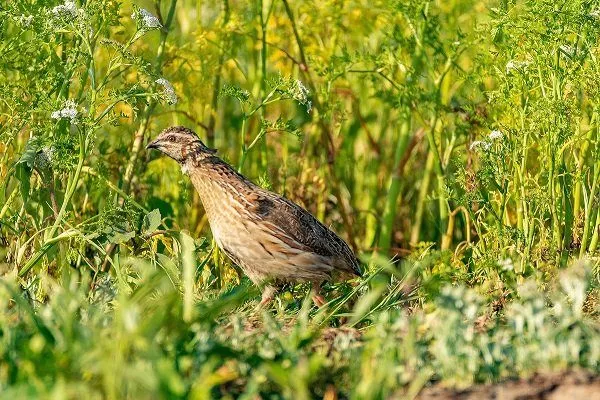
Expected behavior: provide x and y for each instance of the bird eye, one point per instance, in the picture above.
(171, 139)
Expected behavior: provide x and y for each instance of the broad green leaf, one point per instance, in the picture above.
(121, 237)
(151, 222)
(23, 174)
(170, 268)
(25, 165)
(30, 152)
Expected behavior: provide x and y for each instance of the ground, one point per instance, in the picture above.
(542, 386)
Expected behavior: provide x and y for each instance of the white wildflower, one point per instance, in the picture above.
(301, 92)
(480, 144)
(68, 10)
(495, 134)
(69, 111)
(146, 19)
(26, 21)
(44, 157)
(568, 50)
(475, 144)
(510, 66)
(506, 264)
(574, 283)
(595, 14)
(518, 65)
(168, 91)
(131, 318)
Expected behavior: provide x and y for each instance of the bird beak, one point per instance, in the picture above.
(152, 145)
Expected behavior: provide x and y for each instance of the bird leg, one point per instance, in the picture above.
(316, 297)
(267, 295)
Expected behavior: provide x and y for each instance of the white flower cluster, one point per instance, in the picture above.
(506, 264)
(44, 157)
(485, 145)
(301, 93)
(68, 10)
(146, 19)
(574, 283)
(168, 91)
(568, 50)
(308, 106)
(495, 134)
(480, 143)
(595, 14)
(518, 65)
(25, 21)
(69, 111)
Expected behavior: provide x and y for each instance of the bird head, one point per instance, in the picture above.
(179, 143)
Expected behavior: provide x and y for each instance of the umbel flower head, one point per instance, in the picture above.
(44, 157)
(145, 19)
(480, 144)
(495, 134)
(168, 91)
(25, 20)
(68, 10)
(516, 65)
(69, 111)
(301, 93)
(485, 145)
(568, 50)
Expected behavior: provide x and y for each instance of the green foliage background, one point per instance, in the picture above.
(458, 139)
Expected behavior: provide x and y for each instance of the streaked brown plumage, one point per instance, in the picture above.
(271, 238)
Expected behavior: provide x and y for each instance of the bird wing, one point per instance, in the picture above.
(299, 228)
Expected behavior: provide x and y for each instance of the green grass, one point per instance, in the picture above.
(453, 144)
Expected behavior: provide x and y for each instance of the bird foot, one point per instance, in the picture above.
(316, 297)
(267, 296)
(318, 300)
(265, 301)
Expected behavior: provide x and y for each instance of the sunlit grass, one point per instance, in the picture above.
(454, 145)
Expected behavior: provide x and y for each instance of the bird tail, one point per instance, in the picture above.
(356, 268)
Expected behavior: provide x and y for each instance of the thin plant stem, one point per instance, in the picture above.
(389, 214)
(415, 233)
(210, 132)
(140, 135)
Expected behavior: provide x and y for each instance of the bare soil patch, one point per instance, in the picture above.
(569, 385)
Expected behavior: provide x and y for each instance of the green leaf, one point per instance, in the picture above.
(31, 149)
(121, 237)
(170, 269)
(365, 304)
(23, 173)
(151, 222)
(25, 165)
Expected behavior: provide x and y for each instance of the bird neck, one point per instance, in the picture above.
(214, 179)
(210, 167)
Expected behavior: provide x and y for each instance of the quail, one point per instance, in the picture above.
(272, 239)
